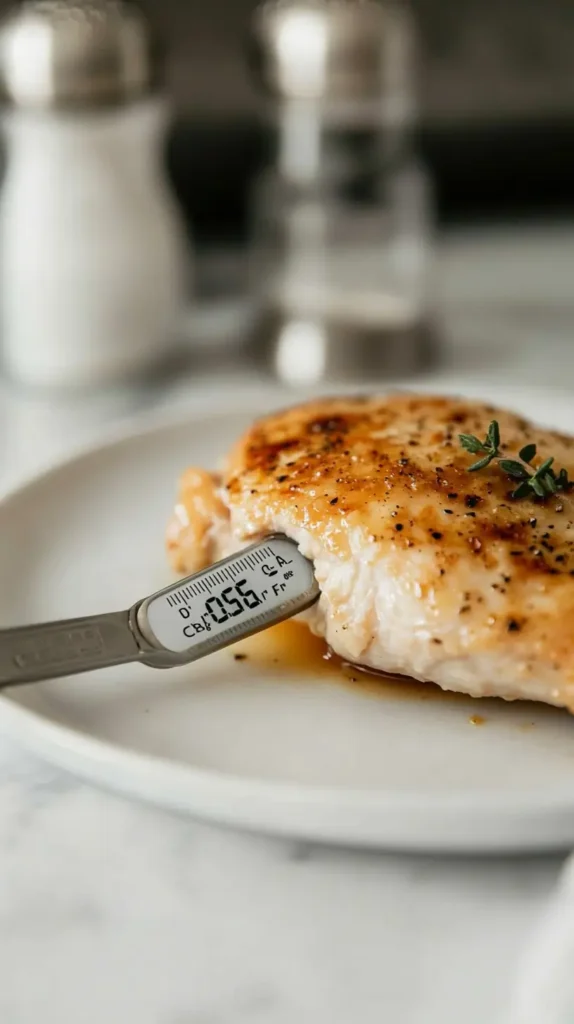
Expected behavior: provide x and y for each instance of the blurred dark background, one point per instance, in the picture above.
(497, 108)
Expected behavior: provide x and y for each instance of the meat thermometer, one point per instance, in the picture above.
(233, 599)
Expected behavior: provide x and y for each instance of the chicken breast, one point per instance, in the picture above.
(425, 569)
(199, 526)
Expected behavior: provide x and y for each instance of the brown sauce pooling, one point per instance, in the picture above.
(291, 646)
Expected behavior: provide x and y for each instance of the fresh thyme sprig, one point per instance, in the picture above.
(490, 446)
(541, 480)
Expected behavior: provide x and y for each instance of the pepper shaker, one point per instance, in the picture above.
(342, 215)
(92, 252)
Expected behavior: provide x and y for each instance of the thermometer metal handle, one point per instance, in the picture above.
(241, 595)
(29, 654)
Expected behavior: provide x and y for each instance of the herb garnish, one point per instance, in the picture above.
(541, 480)
(490, 446)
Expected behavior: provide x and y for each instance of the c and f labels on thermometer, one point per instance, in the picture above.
(234, 598)
(237, 596)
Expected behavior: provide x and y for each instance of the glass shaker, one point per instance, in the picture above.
(341, 216)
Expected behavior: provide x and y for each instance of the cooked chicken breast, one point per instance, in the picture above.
(200, 523)
(425, 569)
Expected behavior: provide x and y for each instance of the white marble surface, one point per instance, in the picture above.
(115, 912)
(111, 911)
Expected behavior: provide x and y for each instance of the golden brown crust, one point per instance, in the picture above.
(393, 467)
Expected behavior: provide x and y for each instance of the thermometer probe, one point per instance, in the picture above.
(233, 599)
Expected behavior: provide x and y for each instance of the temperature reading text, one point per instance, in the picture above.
(242, 594)
(231, 597)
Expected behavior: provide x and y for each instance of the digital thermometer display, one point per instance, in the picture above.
(240, 595)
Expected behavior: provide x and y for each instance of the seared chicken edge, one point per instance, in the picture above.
(425, 569)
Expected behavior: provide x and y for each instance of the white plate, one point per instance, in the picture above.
(240, 743)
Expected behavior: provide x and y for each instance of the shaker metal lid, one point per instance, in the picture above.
(86, 53)
(333, 49)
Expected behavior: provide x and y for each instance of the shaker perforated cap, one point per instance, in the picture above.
(340, 50)
(86, 53)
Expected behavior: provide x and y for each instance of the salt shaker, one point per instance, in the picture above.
(342, 215)
(92, 258)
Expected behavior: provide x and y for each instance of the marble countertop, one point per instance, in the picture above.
(111, 911)
(117, 912)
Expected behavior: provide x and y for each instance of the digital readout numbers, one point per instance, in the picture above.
(263, 577)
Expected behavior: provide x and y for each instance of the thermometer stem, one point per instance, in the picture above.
(239, 596)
